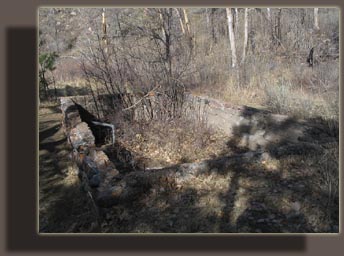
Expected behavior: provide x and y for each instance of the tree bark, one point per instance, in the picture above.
(236, 21)
(162, 25)
(213, 25)
(270, 25)
(104, 38)
(180, 20)
(187, 24)
(207, 16)
(278, 31)
(231, 37)
(316, 20)
(245, 36)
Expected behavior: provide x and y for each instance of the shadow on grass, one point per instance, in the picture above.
(272, 187)
(275, 206)
(49, 132)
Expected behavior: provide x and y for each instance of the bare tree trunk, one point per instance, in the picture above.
(231, 37)
(104, 38)
(270, 25)
(180, 20)
(245, 36)
(162, 25)
(186, 21)
(279, 34)
(236, 21)
(207, 15)
(303, 15)
(213, 25)
(316, 20)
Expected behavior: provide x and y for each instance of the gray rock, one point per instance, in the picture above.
(272, 216)
(81, 135)
(265, 156)
(95, 181)
(92, 172)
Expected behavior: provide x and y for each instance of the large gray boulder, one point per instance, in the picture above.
(81, 135)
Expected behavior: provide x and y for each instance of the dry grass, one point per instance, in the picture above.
(173, 142)
(300, 92)
(63, 205)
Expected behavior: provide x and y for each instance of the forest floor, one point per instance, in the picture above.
(289, 192)
(63, 207)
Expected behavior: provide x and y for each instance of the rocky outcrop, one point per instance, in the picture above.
(95, 169)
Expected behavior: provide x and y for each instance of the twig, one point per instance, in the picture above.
(145, 96)
(94, 207)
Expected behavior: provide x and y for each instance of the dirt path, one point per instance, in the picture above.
(63, 207)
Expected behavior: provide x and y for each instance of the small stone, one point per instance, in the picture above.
(92, 171)
(296, 206)
(81, 135)
(215, 170)
(112, 173)
(272, 216)
(116, 191)
(265, 156)
(95, 181)
(260, 220)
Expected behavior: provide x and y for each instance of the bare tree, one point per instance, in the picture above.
(180, 16)
(186, 21)
(207, 16)
(245, 35)
(269, 14)
(104, 38)
(213, 34)
(231, 36)
(278, 30)
(236, 20)
(316, 20)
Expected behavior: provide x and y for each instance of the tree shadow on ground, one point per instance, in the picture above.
(272, 186)
(268, 189)
(69, 211)
(49, 132)
(287, 199)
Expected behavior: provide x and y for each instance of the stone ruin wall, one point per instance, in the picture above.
(96, 171)
(257, 127)
(257, 131)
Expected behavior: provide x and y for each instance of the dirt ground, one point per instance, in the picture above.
(63, 207)
(287, 192)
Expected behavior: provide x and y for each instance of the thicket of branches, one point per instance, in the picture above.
(166, 51)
